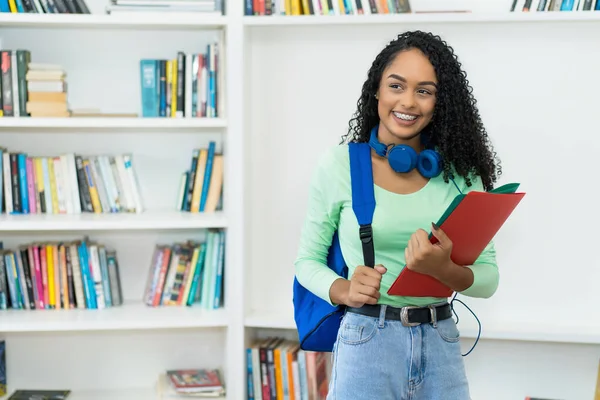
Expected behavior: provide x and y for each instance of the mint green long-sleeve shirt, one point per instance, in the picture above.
(396, 218)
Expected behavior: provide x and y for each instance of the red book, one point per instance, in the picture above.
(470, 222)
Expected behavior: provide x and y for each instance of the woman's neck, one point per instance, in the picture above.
(387, 138)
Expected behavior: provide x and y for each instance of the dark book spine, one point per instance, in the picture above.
(61, 6)
(4, 296)
(82, 6)
(14, 177)
(28, 280)
(180, 84)
(190, 183)
(162, 88)
(114, 278)
(23, 60)
(71, 6)
(70, 281)
(84, 191)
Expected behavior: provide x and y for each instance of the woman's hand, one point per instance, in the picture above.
(362, 287)
(424, 257)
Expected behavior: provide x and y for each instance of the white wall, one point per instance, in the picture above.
(536, 85)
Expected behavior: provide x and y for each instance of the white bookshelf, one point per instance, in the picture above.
(123, 394)
(132, 342)
(95, 21)
(131, 315)
(130, 221)
(112, 123)
(525, 332)
(424, 18)
(137, 341)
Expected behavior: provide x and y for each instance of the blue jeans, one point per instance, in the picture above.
(379, 359)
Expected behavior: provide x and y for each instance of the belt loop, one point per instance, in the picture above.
(382, 310)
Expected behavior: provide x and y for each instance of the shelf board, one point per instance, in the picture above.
(271, 320)
(110, 123)
(116, 221)
(117, 394)
(408, 18)
(136, 21)
(130, 315)
(520, 332)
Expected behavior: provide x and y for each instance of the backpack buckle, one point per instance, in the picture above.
(366, 233)
(366, 237)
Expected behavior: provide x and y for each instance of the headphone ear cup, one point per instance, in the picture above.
(430, 163)
(402, 158)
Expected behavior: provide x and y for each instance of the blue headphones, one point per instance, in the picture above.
(403, 158)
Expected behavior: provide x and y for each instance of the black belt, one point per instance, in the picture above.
(409, 315)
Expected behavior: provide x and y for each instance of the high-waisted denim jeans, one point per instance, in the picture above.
(378, 359)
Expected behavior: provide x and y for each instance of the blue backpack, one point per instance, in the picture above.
(317, 321)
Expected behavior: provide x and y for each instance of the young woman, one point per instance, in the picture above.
(415, 94)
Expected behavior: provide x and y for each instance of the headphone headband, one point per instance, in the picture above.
(403, 158)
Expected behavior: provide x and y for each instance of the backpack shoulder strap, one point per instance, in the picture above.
(363, 196)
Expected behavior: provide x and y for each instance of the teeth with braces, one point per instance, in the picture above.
(405, 117)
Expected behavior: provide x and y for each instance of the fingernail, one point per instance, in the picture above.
(435, 226)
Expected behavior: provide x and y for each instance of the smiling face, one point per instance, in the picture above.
(406, 98)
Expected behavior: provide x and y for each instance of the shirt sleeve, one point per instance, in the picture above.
(320, 223)
(486, 276)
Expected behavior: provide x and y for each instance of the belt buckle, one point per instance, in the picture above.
(404, 316)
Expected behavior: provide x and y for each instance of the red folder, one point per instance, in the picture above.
(471, 222)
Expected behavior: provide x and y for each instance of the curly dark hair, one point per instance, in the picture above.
(456, 130)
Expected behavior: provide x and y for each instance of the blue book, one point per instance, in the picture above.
(23, 183)
(207, 173)
(567, 5)
(220, 262)
(149, 78)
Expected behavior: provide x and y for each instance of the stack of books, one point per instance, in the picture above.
(191, 383)
(46, 91)
(165, 7)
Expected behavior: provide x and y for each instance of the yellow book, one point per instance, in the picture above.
(169, 80)
(296, 7)
(278, 371)
(597, 395)
(174, 88)
(50, 275)
(57, 285)
(53, 190)
(306, 8)
(39, 182)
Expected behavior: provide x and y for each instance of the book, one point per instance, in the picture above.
(2, 368)
(35, 394)
(470, 221)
